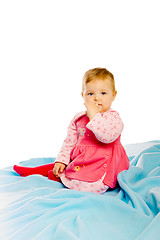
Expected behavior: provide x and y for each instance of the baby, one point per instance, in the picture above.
(91, 156)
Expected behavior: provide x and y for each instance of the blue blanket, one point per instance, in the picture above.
(35, 208)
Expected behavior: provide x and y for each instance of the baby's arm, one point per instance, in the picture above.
(106, 127)
(68, 144)
(63, 157)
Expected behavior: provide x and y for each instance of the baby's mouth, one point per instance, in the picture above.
(99, 105)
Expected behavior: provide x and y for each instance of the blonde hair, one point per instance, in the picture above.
(98, 74)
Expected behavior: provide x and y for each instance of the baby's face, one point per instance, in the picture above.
(99, 92)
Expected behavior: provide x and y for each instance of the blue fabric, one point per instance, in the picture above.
(37, 208)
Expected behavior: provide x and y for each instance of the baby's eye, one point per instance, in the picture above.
(90, 94)
(103, 93)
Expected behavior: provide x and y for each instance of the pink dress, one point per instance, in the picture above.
(93, 153)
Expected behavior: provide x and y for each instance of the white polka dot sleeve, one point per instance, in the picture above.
(68, 144)
(107, 127)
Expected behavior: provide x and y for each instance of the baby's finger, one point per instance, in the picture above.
(96, 103)
(62, 168)
(56, 171)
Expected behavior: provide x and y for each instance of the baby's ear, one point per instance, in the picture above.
(82, 94)
(115, 93)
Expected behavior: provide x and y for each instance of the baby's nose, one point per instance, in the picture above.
(96, 97)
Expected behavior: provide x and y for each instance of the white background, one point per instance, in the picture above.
(46, 47)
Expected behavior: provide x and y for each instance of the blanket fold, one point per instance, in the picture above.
(36, 208)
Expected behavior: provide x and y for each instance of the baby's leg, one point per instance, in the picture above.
(26, 171)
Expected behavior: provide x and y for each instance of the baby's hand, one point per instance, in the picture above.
(92, 109)
(58, 168)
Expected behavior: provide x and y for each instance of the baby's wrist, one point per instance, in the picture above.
(92, 115)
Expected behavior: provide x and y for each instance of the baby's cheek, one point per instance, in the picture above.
(88, 100)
